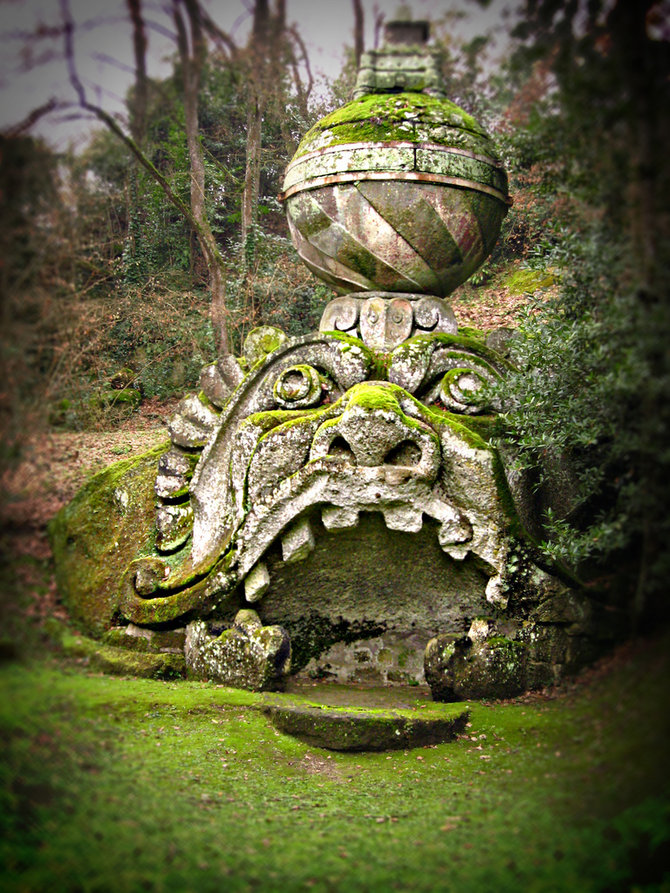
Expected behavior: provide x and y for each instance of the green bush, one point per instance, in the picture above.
(590, 395)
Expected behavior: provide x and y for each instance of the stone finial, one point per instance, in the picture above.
(402, 30)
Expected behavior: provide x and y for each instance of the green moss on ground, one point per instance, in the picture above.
(133, 784)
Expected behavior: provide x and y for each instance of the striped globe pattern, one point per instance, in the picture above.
(416, 213)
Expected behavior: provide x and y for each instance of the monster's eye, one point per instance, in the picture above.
(462, 390)
(298, 386)
(373, 316)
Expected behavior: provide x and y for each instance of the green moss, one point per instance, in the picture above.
(363, 729)
(108, 523)
(384, 397)
(166, 641)
(181, 787)
(471, 333)
(122, 662)
(115, 397)
(390, 117)
(465, 430)
(484, 426)
(465, 339)
(272, 418)
(529, 281)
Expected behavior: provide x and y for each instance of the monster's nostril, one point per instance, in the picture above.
(405, 453)
(340, 450)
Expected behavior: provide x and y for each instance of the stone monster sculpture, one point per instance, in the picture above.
(332, 504)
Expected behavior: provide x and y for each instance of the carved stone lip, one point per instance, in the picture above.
(405, 176)
(424, 162)
(396, 144)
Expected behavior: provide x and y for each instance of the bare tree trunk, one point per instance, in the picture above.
(135, 255)
(252, 174)
(257, 97)
(139, 103)
(359, 44)
(192, 53)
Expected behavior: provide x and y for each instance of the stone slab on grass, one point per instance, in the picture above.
(352, 729)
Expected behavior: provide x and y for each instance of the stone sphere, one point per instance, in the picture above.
(398, 192)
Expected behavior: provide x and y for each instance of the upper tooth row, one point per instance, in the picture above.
(298, 540)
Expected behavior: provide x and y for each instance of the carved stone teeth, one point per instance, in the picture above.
(297, 542)
(257, 582)
(174, 524)
(336, 518)
(453, 532)
(458, 553)
(404, 518)
(170, 486)
(495, 593)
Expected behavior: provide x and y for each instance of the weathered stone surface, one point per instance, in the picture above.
(361, 730)
(363, 250)
(297, 542)
(438, 667)
(384, 589)
(219, 380)
(385, 324)
(391, 658)
(192, 423)
(262, 341)
(214, 489)
(175, 469)
(107, 524)
(137, 638)
(344, 483)
(298, 386)
(501, 340)
(122, 661)
(434, 315)
(400, 192)
(249, 655)
(174, 524)
(383, 320)
(257, 582)
(475, 667)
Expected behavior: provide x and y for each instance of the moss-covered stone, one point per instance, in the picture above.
(467, 668)
(135, 638)
(529, 281)
(109, 523)
(249, 655)
(407, 117)
(121, 662)
(351, 729)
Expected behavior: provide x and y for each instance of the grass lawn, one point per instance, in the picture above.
(117, 784)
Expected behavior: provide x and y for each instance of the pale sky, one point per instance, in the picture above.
(31, 72)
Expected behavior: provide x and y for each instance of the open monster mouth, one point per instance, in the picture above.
(332, 500)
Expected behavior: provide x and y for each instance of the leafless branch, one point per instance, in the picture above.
(116, 128)
(306, 91)
(51, 105)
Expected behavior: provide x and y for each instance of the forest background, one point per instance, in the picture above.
(131, 262)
